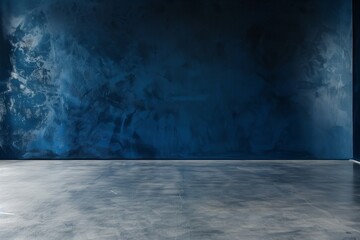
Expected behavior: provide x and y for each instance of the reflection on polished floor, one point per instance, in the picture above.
(193, 200)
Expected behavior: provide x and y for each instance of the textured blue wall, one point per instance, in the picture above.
(177, 79)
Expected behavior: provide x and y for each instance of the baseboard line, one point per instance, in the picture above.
(354, 161)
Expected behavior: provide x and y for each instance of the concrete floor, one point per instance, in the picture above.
(192, 200)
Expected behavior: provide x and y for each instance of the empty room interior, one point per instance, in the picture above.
(179, 119)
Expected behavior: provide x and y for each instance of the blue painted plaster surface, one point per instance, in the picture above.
(177, 79)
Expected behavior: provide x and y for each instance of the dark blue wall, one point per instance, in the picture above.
(5, 69)
(356, 87)
(178, 79)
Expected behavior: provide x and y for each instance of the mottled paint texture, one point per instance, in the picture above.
(177, 79)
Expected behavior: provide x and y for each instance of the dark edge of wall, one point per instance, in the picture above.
(356, 83)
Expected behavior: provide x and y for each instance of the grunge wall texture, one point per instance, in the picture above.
(176, 79)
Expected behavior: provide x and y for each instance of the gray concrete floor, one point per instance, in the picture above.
(180, 200)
